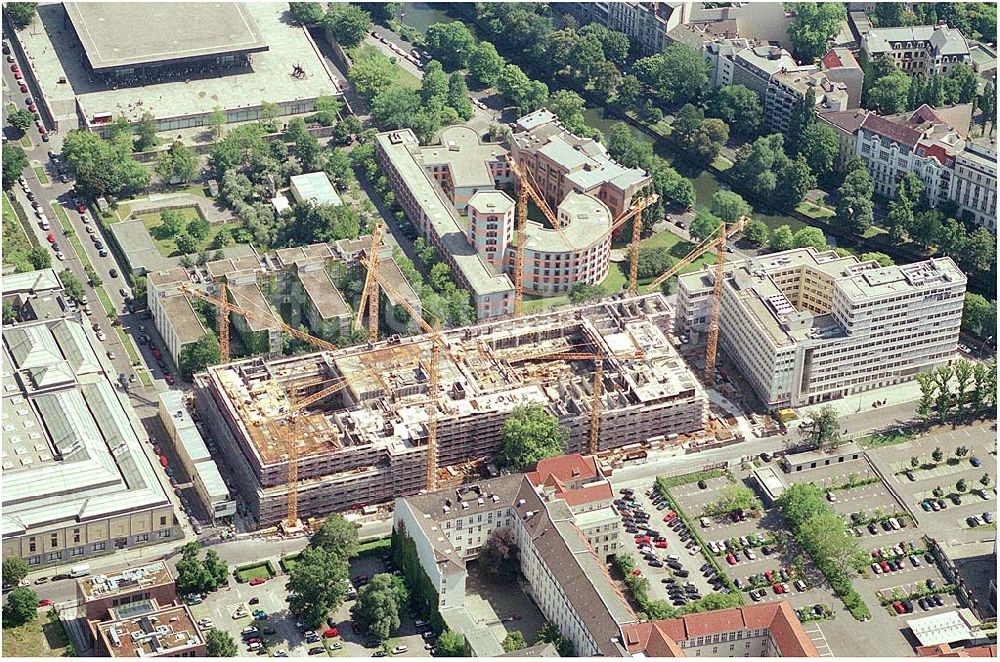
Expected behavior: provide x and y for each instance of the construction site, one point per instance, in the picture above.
(340, 429)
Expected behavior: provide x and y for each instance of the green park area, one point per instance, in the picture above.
(262, 570)
(165, 234)
(401, 76)
(42, 637)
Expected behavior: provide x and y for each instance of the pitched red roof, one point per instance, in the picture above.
(660, 638)
(896, 132)
(944, 650)
(564, 468)
(847, 120)
(591, 493)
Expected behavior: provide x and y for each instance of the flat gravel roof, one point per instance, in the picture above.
(117, 34)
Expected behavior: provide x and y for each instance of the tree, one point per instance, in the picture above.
(985, 480)
(704, 225)
(796, 179)
(962, 451)
(854, 199)
(730, 206)
(979, 316)
(735, 498)
(549, 634)
(217, 120)
(14, 162)
(451, 43)
(820, 146)
(72, 285)
(514, 642)
(937, 491)
(889, 93)
(450, 644)
(653, 261)
(345, 129)
(220, 643)
(813, 237)
(980, 250)
(21, 119)
(824, 432)
(499, 554)
(827, 537)
(21, 607)
(337, 535)
(145, 133)
(699, 137)
(531, 434)
(914, 461)
(782, 238)
(378, 606)
(14, 568)
(434, 86)
(198, 228)
(961, 486)
(193, 575)
(583, 292)
(569, 108)
(177, 164)
(186, 244)
(458, 95)
(676, 76)
(103, 167)
(347, 24)
(755, 233)
(198, 355)
(306, 13)
(937, 455)
(21, 14)
(93, 277)
(739, 107)
(988, 103)
(803, 116)
(320, 580)
(812, 27)
(485, 64)
(515, 86)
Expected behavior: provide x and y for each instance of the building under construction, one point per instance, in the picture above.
(367, 442)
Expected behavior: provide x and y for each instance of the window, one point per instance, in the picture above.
(54, 541)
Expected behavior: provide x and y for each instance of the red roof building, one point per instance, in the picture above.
(944, 650)
(765, 630)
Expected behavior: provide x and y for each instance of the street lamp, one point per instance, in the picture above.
(984, 345)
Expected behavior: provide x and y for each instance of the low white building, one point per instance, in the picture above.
(315, 188)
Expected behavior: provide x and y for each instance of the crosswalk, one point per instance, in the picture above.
(815, 633)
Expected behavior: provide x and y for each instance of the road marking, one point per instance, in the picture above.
(818, 639)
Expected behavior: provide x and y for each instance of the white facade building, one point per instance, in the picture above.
(975, 188)
(806, 327)
(922, 49)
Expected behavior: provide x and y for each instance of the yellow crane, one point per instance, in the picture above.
(634, 212)
(370, 293)
(718, 242)
(282, 429)
(437, 344)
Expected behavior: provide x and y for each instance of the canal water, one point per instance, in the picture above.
(422, 15)
(704, 181)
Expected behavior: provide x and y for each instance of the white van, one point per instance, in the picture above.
(81, 570)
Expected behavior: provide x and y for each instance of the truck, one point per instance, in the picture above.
(81, 570)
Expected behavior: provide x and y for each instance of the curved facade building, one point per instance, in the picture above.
(551, 266)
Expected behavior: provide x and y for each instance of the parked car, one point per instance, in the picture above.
(256, 581)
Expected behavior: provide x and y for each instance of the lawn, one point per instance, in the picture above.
(40, 173)
(58, 210)
(43, 637)
(377, 546)
(165, 242)
(890, 438)
(400, 76)
(133, 354)
(15, 242)
(253, 571)
(109, 308)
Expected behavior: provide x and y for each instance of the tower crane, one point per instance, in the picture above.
(724, 233)
(282, 429)
(635, 213)
(370, 293)
(437, 344)
(266, 318)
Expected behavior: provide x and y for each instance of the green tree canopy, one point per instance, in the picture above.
(378, 606)
(14, 162)
(499, 556)
(729, 206)
(755, 233)
(531, 434)
(485, 64)
(807, 237)
(337, 535)
(319, 578)
(21, 119)
(198, 355)
(220, 643)
(678, 75)
(740, 108)
(812, 27)
(306, 13)
(653, 261)
(824, 432)
(514, 642)
(583, 292)
(451, 43)
(21, 607)
(347, 24)
(704, 225)
(21, 13)
(14, 567)
(450, 644)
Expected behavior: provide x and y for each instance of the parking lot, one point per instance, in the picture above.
(676, 551)
(279, 632)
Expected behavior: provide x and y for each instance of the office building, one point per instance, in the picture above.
(805, 326)
(99, 594)
(77, 481)
(922, 49)
(146, 629)
(367, 443)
